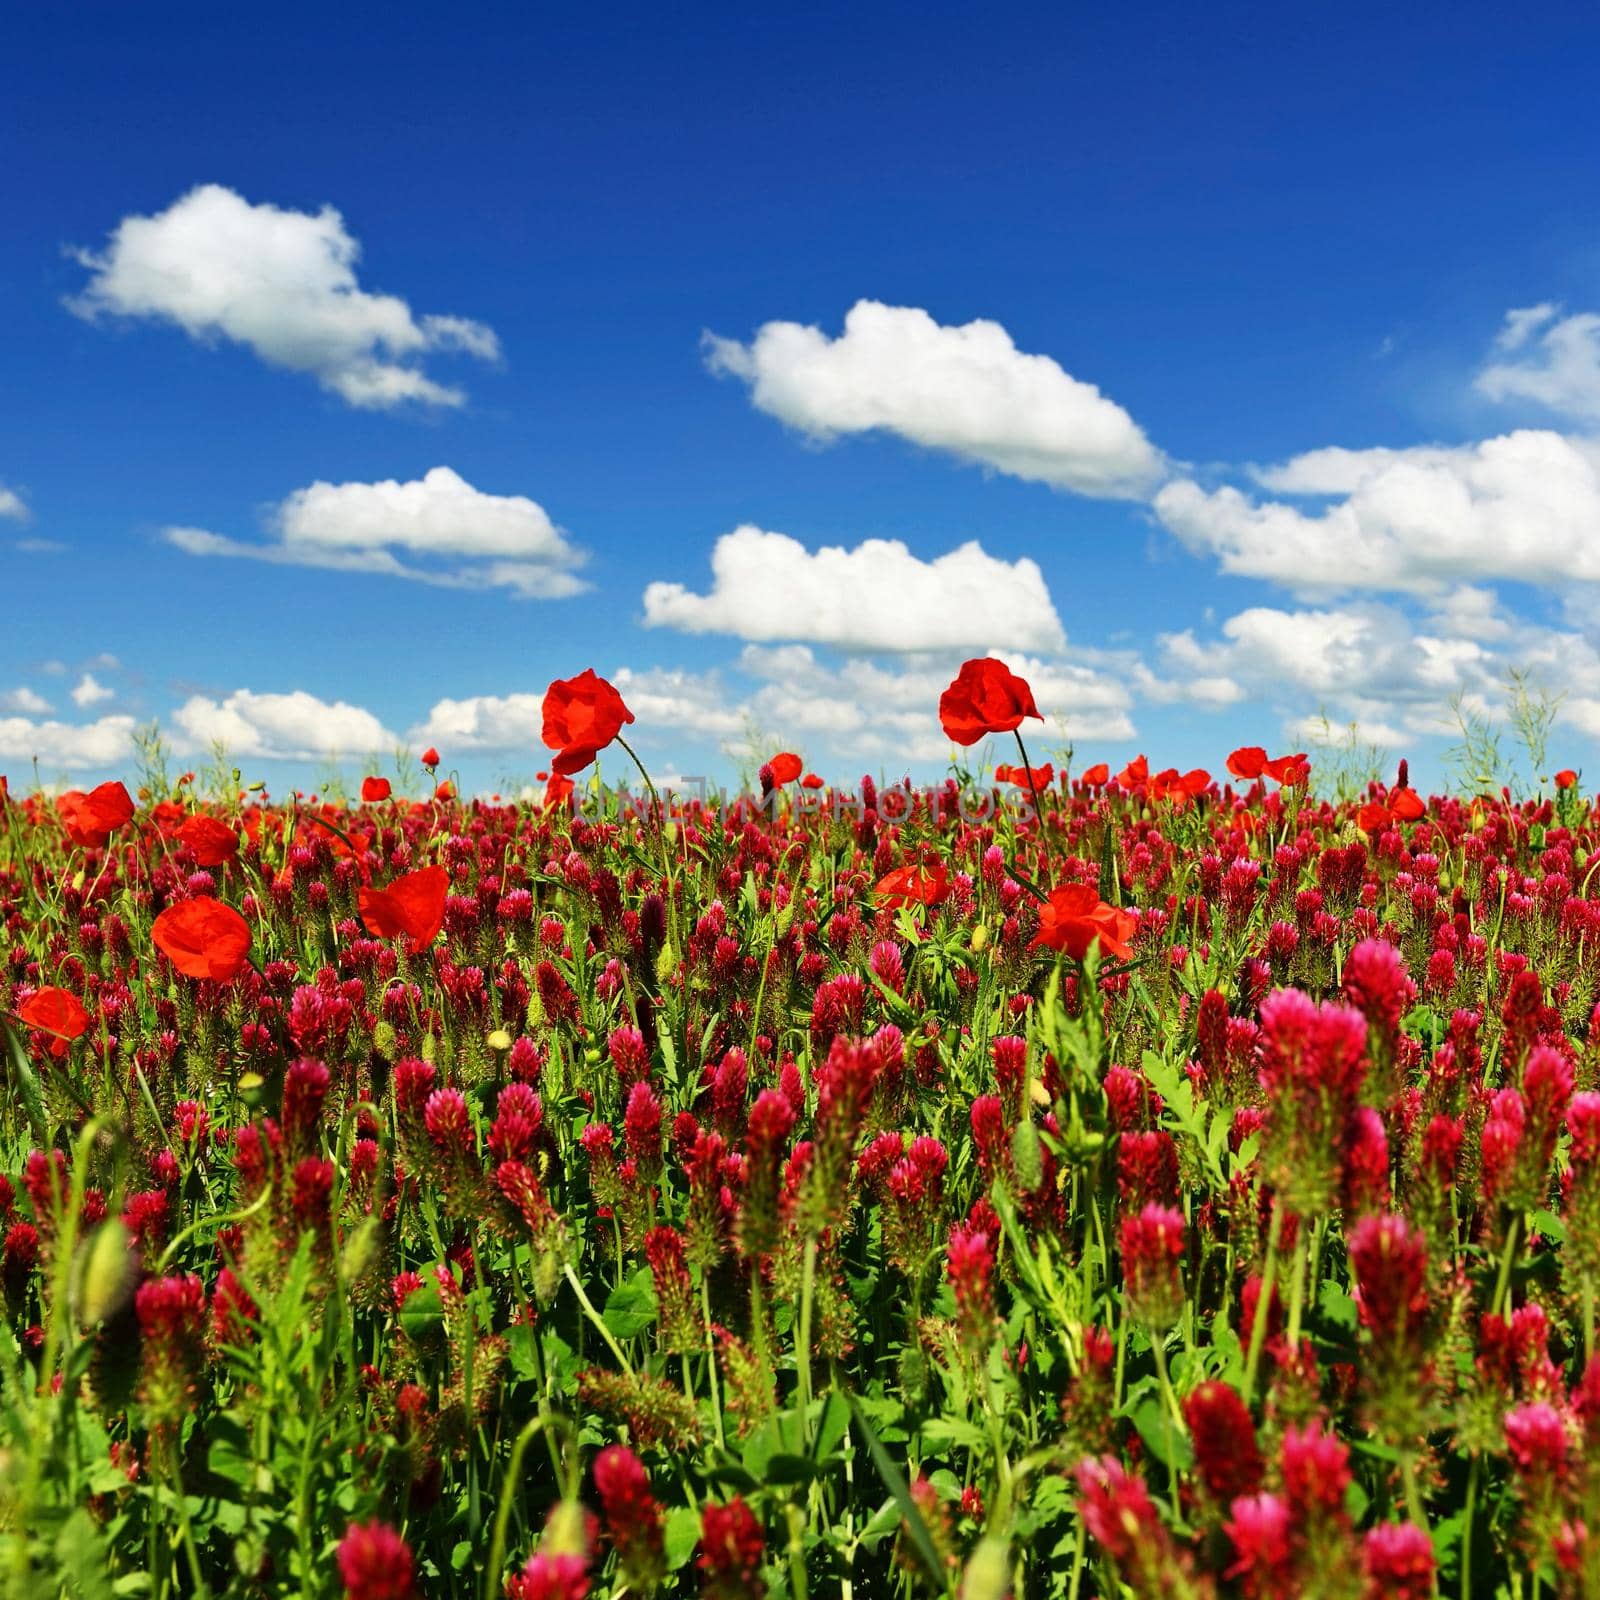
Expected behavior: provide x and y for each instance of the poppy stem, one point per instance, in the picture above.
(661, 842)
(1038, 810)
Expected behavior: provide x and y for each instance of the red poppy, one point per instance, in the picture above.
(203, 938)
(557, 791)
(1288, 771)
(1042, 777)
(1136, 772)
(1374, 817)
(582, 716)
(92, 818)
(374, 789)
(914, 886)
(56, 1012)
(786, 766)
(168, 815)
(1097, 776)
(430, 758)
(1171, 785)
(986, 697)
(1247, 761)
(445, 791)
(1073, 918)
(1566, 778)
(811, 781)
(412, 905)
(1407, 805)
(211, 842)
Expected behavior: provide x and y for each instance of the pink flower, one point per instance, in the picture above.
(375, 1562)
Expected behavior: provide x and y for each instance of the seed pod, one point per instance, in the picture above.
(108, 1267)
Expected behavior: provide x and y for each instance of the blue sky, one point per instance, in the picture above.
(1282, 401)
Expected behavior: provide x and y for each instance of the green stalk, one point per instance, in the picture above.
(1269, 1277)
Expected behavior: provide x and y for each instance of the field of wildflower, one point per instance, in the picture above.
(1047, 1184)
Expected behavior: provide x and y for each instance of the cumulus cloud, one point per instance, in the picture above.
(1522, 506)
(105, 743)
(24, 700)
(1548, 358)
(290, 726)
(877, 596)
(12, 508)
(283, 283)
(967, 391)
(90, 691)
(449, 533)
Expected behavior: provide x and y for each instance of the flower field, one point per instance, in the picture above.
(1043, 1184)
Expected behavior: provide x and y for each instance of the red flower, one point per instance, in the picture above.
(375, 788)
(430, 758)
(1248, 761)
(1075, 917)
(1224, 1441)
(1288, 771)
(1398, 1557)
(1374, 817)
(1566, 778)
(412, 905)
(211, 842)
(914, 886)
(57, 1012)
(92, 818)
(1407, 805)
(1136, 772)
(375, 1562)
(1097, 776)
(1041, 777)
(811, 781)
(731, 1547)
(785, 767)
(203, 938)
(582, 716)
(986, 697)
(557, 791)
(445, 791)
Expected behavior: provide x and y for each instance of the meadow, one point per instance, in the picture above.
(1050, 1184)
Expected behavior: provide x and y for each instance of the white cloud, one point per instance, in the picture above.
(284, 284)
(105, 743)
(877, 596)
(1522, 506)
(466, 537)
(90, 691)
(24, 700)
(11, 505)
(965, 390)
(1550, 359)
(292, 726)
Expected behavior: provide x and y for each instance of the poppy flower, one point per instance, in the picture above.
(811, 781)
(57, 1012)
(557, 791)
(1247, 762)
(445, 791)
(203, 938)
(1407, 805)
(430, 758)
(1136, 772)
(1288, 771)
(92, 818)
(986, 697)
(914, 886)
(1041, 777)
(582, 716)
(374, 789)
(1171, 785)
(1073, 918)
(1566, 778)
(412, 905)
(1374, 817)
(785, 767)
(211, 842)
(1097, 776)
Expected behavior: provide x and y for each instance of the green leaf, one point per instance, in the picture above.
(1162, 1436)
(631, 1307)
(81, 1551)
(422, 1314)
(1337, 1306)
(682, 1535)
(894, 1481)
